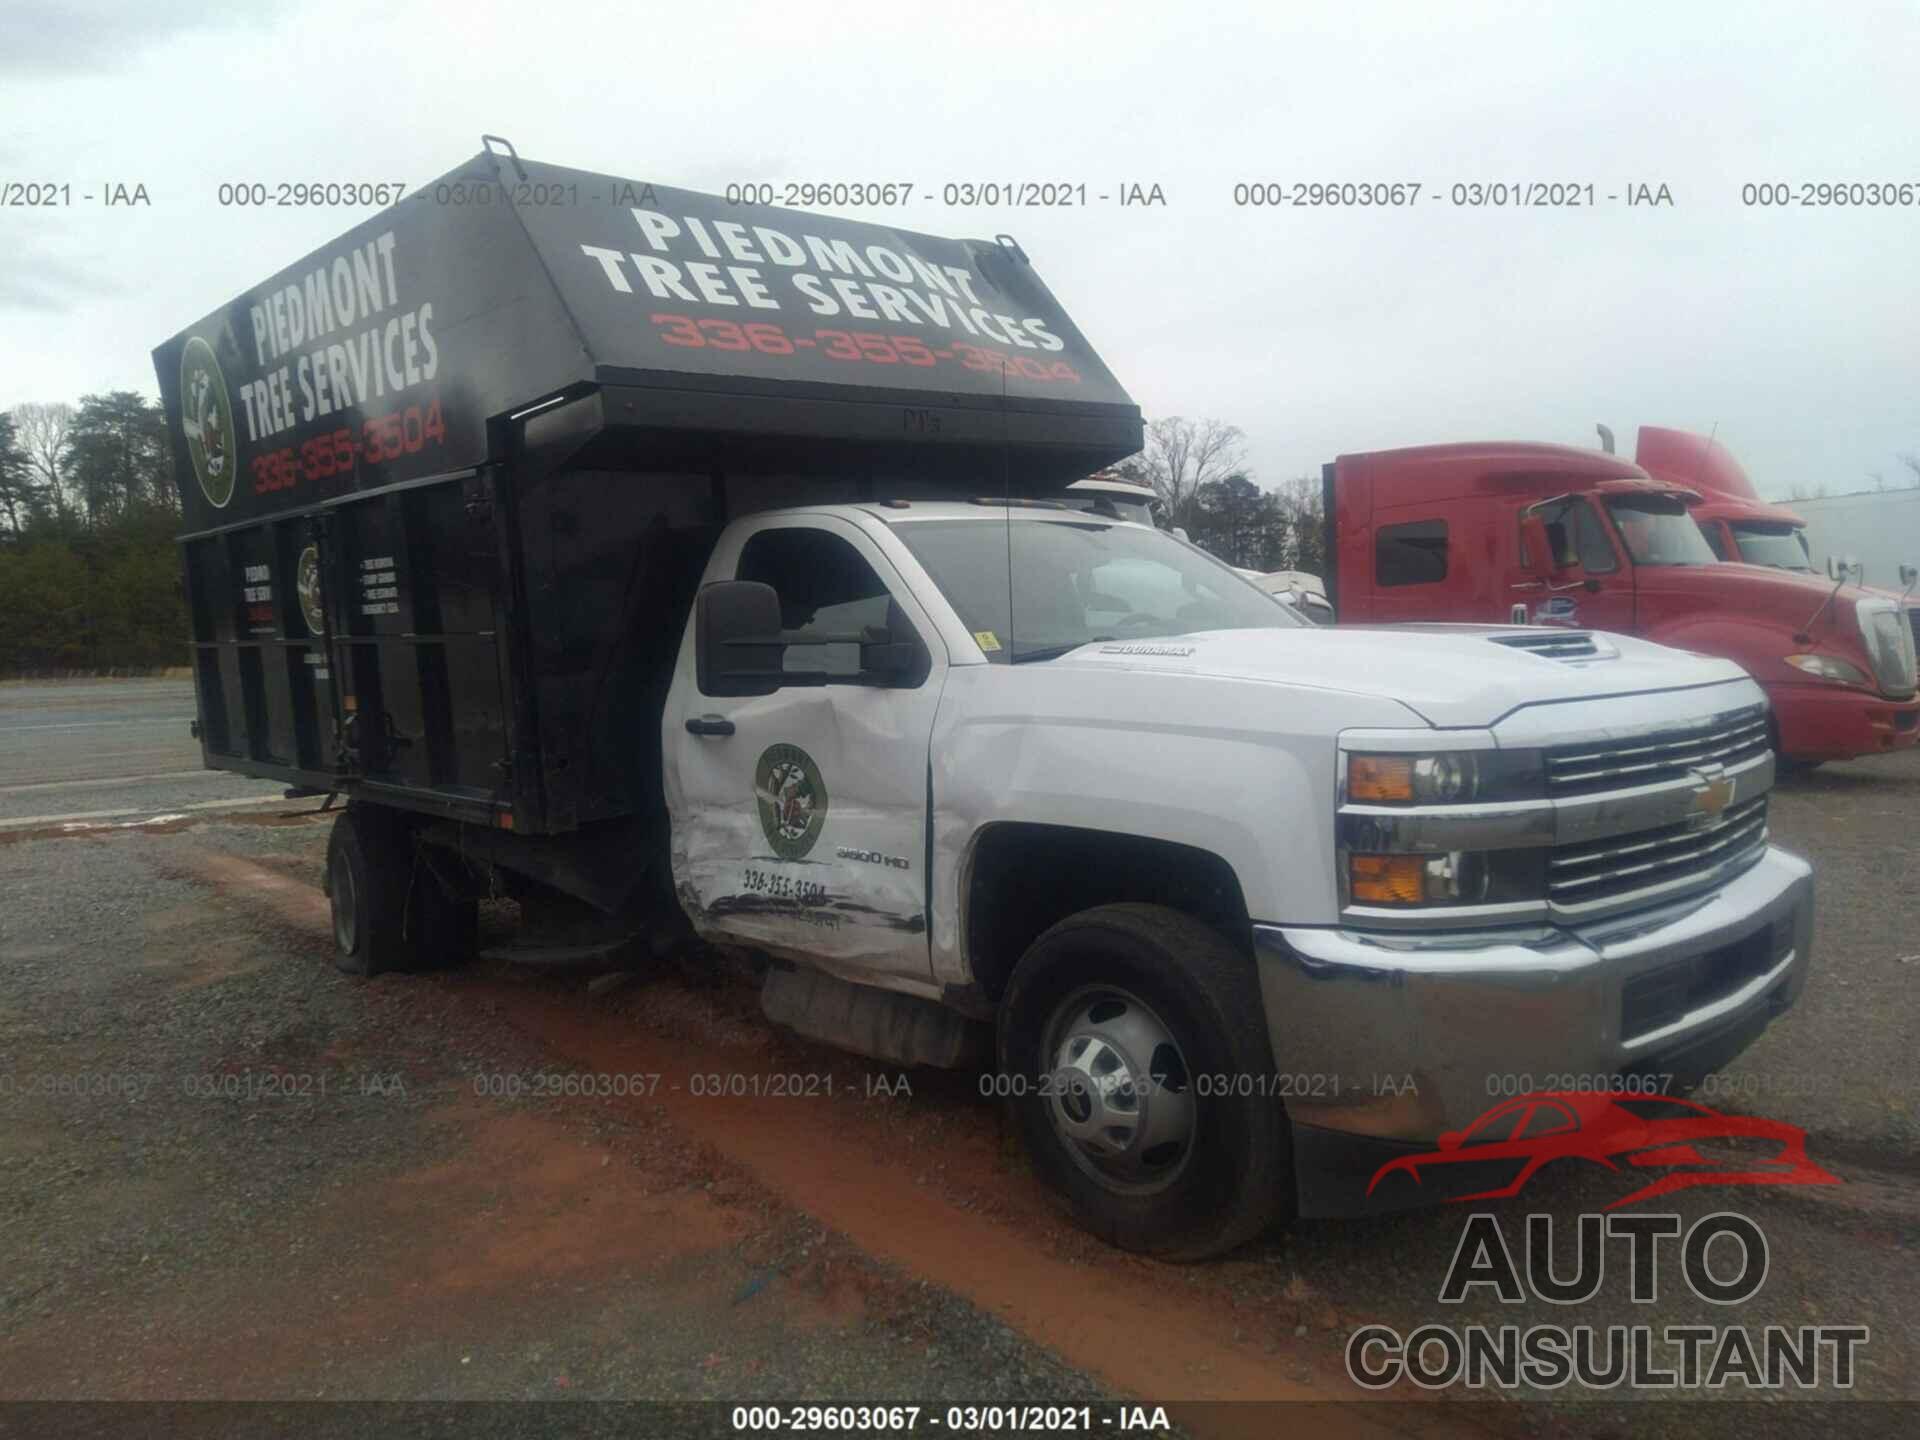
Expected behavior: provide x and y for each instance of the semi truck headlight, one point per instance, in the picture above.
(1452, 778)
(1828, 667)
(1453, 877)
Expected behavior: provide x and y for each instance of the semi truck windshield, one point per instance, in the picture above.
(1658, 531)
(1073, 582)
(1781, 546)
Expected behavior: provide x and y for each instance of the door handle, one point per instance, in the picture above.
(709, 725)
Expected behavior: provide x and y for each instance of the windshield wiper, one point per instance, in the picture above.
(1053, 652)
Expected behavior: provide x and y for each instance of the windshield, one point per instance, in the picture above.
(1077, 581)
(1782, 546)
(1658, 531)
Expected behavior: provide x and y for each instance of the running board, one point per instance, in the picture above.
(880, 1024)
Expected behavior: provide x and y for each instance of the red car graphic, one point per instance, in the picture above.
(1615, 1129)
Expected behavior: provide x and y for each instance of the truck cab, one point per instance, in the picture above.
(1553, 535)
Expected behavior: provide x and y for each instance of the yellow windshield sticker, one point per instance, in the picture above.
(986, 640)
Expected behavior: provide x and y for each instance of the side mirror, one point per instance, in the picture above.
(737, 644)
(1909, 577)
(882, 655)
(1539, 548)
(1840, 566)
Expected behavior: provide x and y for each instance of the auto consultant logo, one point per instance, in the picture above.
(306, 586)
(207, 417)
(1620, 1131)
(1724, 1260)
(792, 799)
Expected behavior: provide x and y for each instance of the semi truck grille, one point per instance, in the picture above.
(1624, 865)
(1892, 649)
(1913, 623)
(1668, 755)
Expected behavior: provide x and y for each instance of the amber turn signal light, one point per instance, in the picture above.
(1380, 777)
(1387, 879)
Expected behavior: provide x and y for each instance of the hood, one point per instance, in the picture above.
(1452, 676)
(1788, 596)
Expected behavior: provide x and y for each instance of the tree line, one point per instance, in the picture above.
(89, 573)
(1199, 471)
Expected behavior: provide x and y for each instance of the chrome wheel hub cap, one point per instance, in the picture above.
(1118, 1093)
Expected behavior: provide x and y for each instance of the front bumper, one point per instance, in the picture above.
(1835, 722)
(1386, 1040)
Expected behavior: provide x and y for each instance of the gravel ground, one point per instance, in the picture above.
(1842, 1063)
(268, 1143)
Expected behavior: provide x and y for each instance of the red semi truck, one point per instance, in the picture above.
(1737, 523)
(1583, 539)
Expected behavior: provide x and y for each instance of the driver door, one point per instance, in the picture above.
(1589, 587)
(800, 816)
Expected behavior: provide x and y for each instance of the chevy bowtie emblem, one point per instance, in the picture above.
(1712, 793)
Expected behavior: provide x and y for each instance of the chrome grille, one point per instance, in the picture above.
(1668, 755)
(1552, 645)
(1913, 622)
(1666, 858)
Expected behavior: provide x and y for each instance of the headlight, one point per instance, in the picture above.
(1455, 877)
(1828, 667)
(1455, 778)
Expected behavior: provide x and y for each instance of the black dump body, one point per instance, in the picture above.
(451, 481)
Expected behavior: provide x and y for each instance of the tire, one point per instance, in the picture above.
(1125, 978)
(1785, 768)
(368, 865)
(443, 929)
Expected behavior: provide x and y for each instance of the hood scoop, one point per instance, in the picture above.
(1558, 644)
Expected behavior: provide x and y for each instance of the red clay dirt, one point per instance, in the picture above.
(960, 1211)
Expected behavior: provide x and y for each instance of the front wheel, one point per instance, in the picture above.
(1134, 1042)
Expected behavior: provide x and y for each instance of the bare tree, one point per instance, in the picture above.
(1301, 502)
(1910, 461)
(44, 431)
(1181, 456)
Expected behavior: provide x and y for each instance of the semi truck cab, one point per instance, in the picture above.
(1554, 535)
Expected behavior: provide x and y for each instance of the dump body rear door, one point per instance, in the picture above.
(800, 817)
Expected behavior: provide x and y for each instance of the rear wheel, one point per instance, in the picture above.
(368, 863)
(1135, 1042)
(443, 927)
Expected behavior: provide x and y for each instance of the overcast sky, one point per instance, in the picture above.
(1795, 332)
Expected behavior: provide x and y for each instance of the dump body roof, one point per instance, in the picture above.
(383, 356)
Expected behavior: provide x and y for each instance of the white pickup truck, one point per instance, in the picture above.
(1254, 906)
(614, 548)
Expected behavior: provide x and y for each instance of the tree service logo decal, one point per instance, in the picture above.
(207, 417)
(306, 586)
(792, 799)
